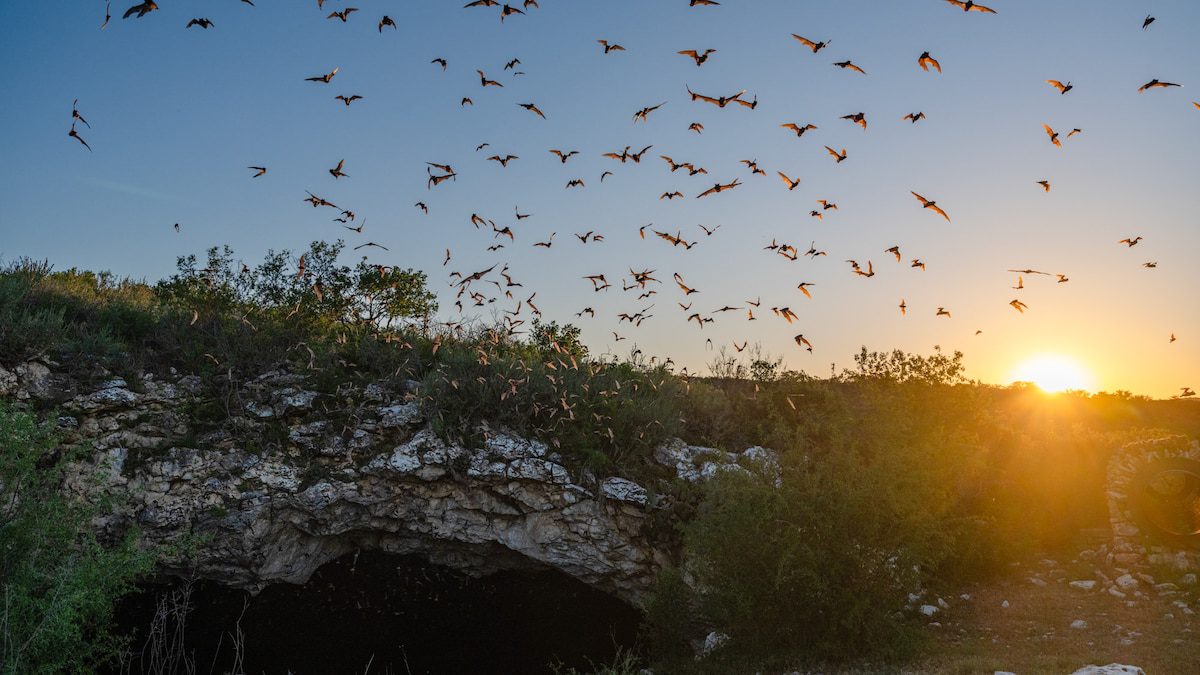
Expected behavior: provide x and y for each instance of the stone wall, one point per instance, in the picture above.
(1131, 546)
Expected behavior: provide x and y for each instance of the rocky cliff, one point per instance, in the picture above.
(286, 480)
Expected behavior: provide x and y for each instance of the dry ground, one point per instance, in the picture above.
(1033, 634)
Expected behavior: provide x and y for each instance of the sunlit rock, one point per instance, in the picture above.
(278, 488)
(1110, 669)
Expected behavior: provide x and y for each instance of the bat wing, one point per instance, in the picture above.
(805, 41)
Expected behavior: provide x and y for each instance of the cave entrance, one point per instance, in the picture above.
(397, 614)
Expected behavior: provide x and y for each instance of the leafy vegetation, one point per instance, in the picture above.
(223, 317)
(606, 416)
(897, 474)
(865, 498)
(59, 583)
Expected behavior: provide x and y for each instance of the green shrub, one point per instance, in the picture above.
(667, 625)
(818, 568)
(869, 509)
(58, 583)
(220, 317)
(551, 338)
(599, 415)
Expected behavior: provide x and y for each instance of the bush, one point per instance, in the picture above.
(818, 567)
(59, 583)
(209, 319)
(869, 508)
(551, 338)
(79, 317)
(603, 416)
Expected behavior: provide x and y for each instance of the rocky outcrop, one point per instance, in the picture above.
(287, 479)
(1131, 471)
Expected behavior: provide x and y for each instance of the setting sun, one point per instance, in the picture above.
(1053, 373)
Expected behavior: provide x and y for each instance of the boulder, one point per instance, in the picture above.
(1110, 669)
(1126, 582)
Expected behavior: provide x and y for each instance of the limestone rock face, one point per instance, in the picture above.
(261, 512)
(8, 382)
(694, 463)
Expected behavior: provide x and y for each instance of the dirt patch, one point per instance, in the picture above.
(1035, 621)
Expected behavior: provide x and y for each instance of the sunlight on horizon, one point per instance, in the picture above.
(1054, 373)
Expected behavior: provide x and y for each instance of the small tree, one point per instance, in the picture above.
(313, 286)
(545, 336)
(900, 366)
(384, 295)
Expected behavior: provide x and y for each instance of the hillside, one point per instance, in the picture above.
(249, 429)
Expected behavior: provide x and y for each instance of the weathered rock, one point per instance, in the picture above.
(712, 642)
(624, 490)
(1126, 582)
(399, 415)
(1126, 529)
(1083, 584)
(1130, 541)
(8, 382)
(277, 489)
(309, 436)
(36, 381)
(292, 400)
(1110, 669)
(695, 463)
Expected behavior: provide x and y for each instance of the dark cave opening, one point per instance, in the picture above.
(399, 614)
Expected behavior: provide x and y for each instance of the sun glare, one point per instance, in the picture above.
(1053, 373)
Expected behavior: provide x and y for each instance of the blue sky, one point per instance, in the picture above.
(178, 114)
